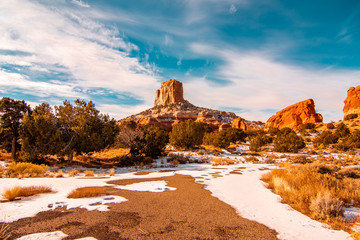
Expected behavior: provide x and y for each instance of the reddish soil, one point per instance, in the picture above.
(189, 212)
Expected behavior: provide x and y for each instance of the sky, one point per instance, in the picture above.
(250, 57)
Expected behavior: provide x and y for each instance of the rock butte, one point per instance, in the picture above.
(170, 108)
(295, 115)
(352, 101)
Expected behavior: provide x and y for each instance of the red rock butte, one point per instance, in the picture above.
(352, 101)
(295, 115)
(169, 93)
(171, 108)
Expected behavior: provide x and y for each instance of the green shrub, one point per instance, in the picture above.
(223, 138)
(325, 139)
(351, 141)
(351, 116)
(288, 141)
(330, 126)
(187, 134)
(306, 126)
(342, 130)
(259, 141)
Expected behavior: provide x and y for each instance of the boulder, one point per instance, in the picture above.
(352, 101)
(295, 115)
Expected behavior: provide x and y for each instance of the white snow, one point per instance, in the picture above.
(152, 186)
(58, 235)
(246, 193)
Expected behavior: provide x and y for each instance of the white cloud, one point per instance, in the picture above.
(258, 82)
(19, 82)
(58, 37)
(80, 3)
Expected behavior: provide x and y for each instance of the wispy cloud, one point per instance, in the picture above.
(92, 54)
(80, 3)
(259, 82)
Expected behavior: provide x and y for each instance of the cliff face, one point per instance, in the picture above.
(169, 93)
(295, 115)
(352, 101)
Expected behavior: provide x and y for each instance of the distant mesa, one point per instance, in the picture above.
(295, 115)
(170, 108)
(352, 101)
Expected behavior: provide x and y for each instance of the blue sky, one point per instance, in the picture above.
(252, 57)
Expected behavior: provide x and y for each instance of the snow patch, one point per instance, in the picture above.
(58, 235)
(153, 186)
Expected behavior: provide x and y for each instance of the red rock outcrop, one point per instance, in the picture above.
(352, 101)
(295, 115)
(169, 93)
(247, 125)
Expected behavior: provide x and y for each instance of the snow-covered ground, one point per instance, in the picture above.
(245, 192)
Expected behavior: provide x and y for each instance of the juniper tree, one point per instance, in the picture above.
(11, 114)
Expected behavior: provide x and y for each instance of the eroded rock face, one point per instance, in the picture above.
(295, 115)
(247, 125)
(169, 93)
(352, 101)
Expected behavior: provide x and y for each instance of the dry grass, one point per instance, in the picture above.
(87, 192)
(89, 173)
(73, 173)
(222, 161)
(5, 156)
(4, 232)
(59, 174)
(16, 192)
(111, 153)
(112, 172)
(316, 190)
(23, 169)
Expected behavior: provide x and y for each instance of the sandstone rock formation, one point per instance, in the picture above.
(247, 125)
(295, 115)
(171, 108)
(169, 93)
(352, 101)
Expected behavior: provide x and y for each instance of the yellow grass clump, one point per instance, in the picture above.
(24, 169)
(112, 172)
(87, 192)
(59, 174)
(15, 192)
(222, 161)
(316, 190)
(73, 173)
(89, 173)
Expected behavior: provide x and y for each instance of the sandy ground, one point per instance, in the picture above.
(189, 212)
